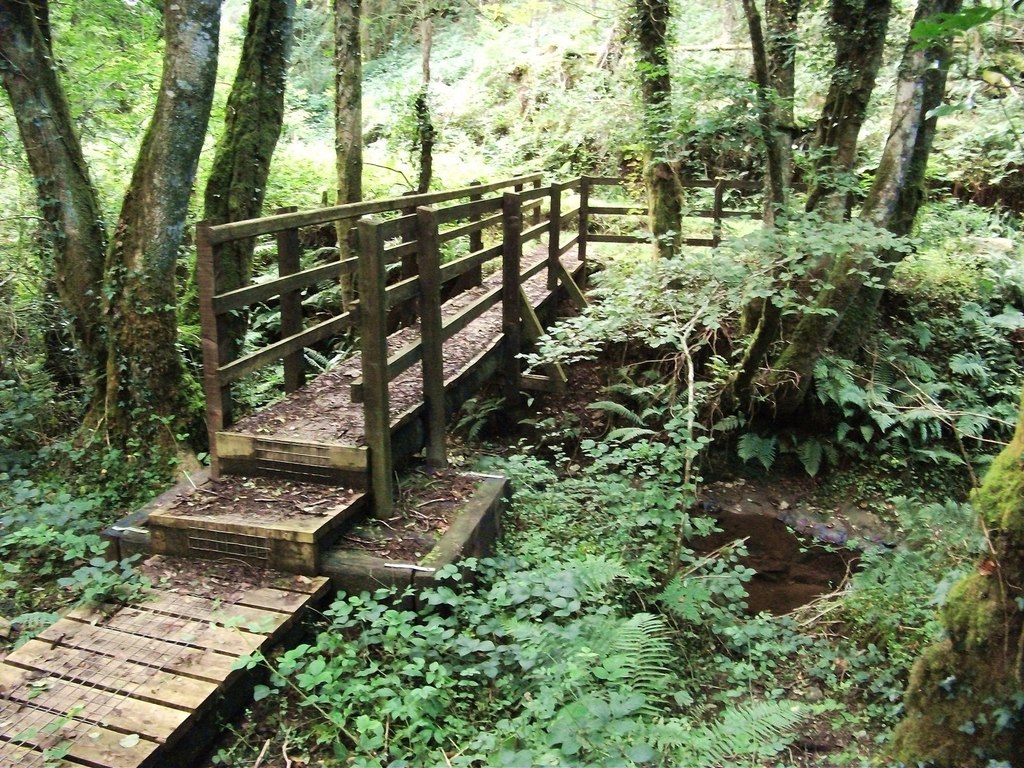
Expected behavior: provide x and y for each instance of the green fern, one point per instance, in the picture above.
(752, 731)
(753, 446)
(617, 409)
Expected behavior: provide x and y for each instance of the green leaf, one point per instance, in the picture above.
(261, 692)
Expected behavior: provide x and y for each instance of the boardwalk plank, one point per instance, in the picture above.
(194, 662)
(86, 743)
(114, 674)
(139, 621)
(89, 704)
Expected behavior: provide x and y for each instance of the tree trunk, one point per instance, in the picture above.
(781, 17)
(348, 121)
(650, 24)
(892, 204)
(252, 126)
(73, 223)
(963, 698)
(425, 133)
(144, 375)
(858, 30)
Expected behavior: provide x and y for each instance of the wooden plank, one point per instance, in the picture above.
(583, 227)
(112, 710)
(568, 246)
(138, 621)
(572, 214)
(512, 254)
(244, 297)
(241, 445)
(473, 227)
(471, 312)
(533, 330)
(193, 662)
(279, 349)
(217, 395)
(263, 226)
(598, 238)
(533, 269)
(402, 291)
(467, 210)
(619, 210)
(571, 185)
(288, 253)
(87, 744)
(114, 674)
(373, 338)
(554, 233)
(432, 334)
(12, 754)
(242, 617)
(571, 289)
(453, 269)
(270, 599)
(314, 586)
(534, 232)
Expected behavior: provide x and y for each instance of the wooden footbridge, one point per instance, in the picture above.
(450, 287)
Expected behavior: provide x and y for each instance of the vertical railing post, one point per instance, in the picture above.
(584, 218)
(716, 230)
(374, 343)
(288, 256)
(537, 184)
(554, 234)
(476, 243)
(511, 256)
(218, 397)
(431, 335)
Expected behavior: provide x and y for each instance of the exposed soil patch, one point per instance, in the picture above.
(423, 514)
(262, 500)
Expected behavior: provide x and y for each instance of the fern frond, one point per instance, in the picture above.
(755, 731)
(626, 434)
(617, 409)
(753, 446)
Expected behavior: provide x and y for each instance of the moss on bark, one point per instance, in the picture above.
(965, 697)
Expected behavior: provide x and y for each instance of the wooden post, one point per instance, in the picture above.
(288, 253)
(554, 234)
(536, 211)
(374, 343)
(716, 231)
(218, 397)
(432, 338)
(511, 256)
(584, 219)
(475, 276)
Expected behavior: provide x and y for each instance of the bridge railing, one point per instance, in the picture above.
(413, 253)
(221, 367)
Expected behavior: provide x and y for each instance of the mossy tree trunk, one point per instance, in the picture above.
(857, 29)
(965, 698)
(143, 394)
(252, 126)
(72, 222)
(773, 387)
(649, 23)
(348, 120)
(781, 43)
(425, 132)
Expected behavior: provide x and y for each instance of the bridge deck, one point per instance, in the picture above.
(118, 687)
(318, 431)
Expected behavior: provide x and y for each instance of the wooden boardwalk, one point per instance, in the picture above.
(119, 688)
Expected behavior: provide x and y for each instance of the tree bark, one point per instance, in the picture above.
(782, 384)
(72, 221)
(958, 686)
(781, 43)
(425, 133)
(857, 29)
(348, 121)
(892, 204)
(144, 376)
(252, 126)
(650, 27)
